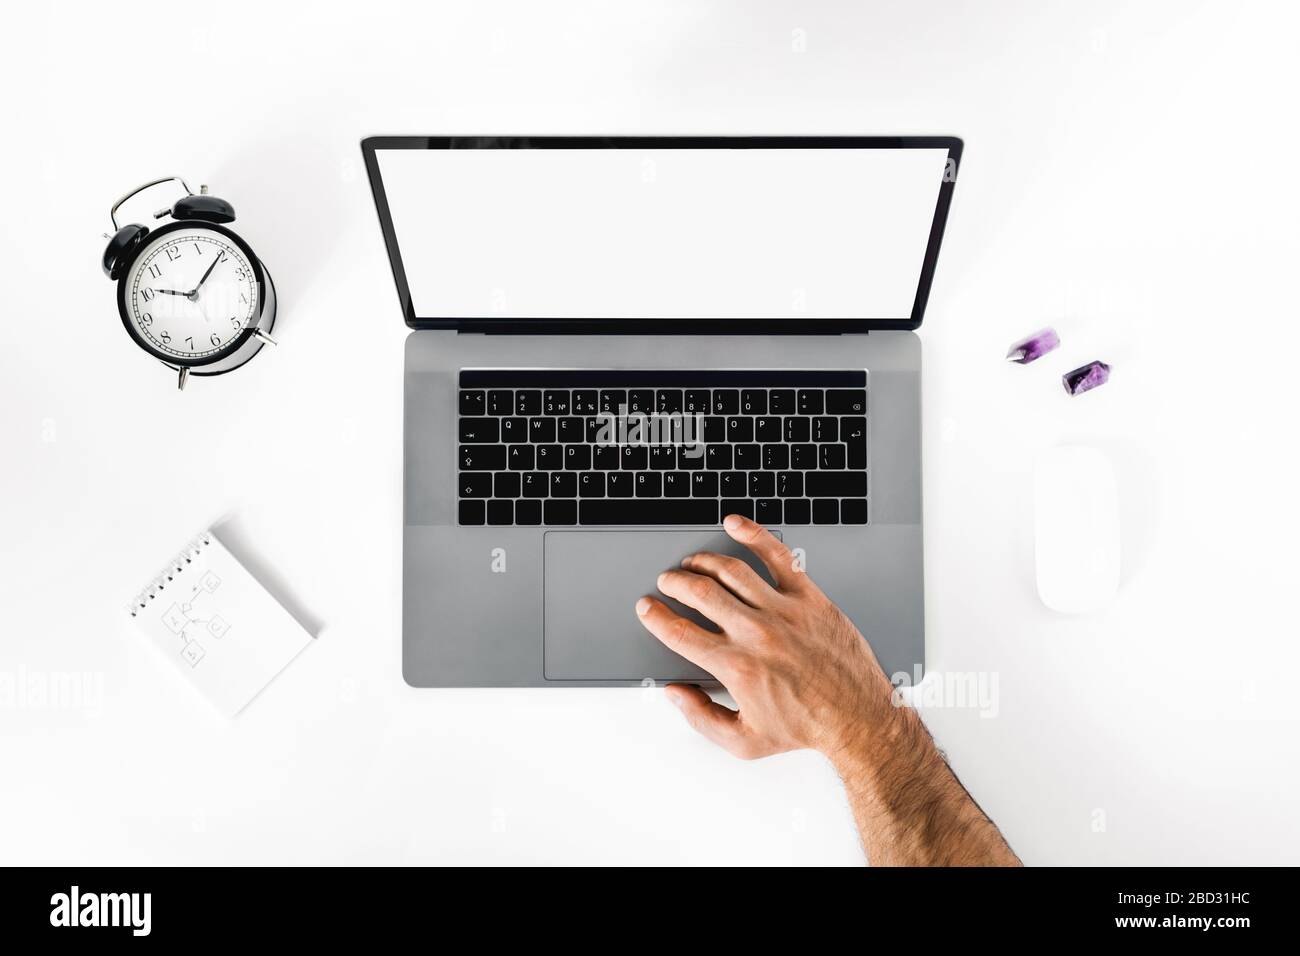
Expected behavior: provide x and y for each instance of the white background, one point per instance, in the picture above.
(1128, 179)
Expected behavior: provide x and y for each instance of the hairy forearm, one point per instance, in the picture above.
(910, 808)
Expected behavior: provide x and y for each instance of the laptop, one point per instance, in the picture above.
(618, 341)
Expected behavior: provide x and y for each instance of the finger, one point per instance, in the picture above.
(679, 635)
(704, 594)
(734, 574)
(720, 724)
(777, 558)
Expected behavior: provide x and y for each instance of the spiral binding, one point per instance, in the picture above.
(177, 565)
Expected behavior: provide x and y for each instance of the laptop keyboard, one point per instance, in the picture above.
(592, 447)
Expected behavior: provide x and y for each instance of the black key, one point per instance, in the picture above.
(521, 458)
(556, 402)
(561, 512)
(619, 484)
(789, 484)
(809, 401)
(649, 511)
(598, 431)
(634, 458)
(550, 457)
(612, 399)
(853, 431)
(717, 457)
(501, 402)
(564, 484)
(762, 484)
(698, 401)
(649, 484)
(668, 401)
(506, 484)
(748, 457)
(604, 457)
(776, 457)
(640, 401)
(481, 457)
(853, 511)
(846, 401)
(830, 456)
(690, 457)
(731, 484)
(528, 512)
(726, 401)
(767, 429)
(780, 401)
(677, 484)
(569, 431)
(472, 401)
(737, 506)
(826, 511)
(501, 512)
(740, 428)
(835, 484)
(541, 430)
(715, 429)
(663, 458)
(475, 484)
(767, 511)
(591, 485)
(704, 484)
(528, 402)
(753, 401)
(803, 456)
(534, 484)
(798, 429)
(577, 457)
(471, 512)
(480, 431)
(797, 511)
(514, 430)
(825, 429)
(586, 401)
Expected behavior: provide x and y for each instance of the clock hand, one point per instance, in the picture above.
(171, 292)
(205, 275)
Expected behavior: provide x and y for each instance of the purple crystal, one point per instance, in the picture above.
(1036, 346)
(1086, 377)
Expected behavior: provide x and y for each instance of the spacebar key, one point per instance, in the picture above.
(654, 511)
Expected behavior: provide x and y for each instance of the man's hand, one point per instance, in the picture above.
(800, 671)
(804, 677)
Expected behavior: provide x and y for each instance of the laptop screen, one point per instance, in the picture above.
(663, 233)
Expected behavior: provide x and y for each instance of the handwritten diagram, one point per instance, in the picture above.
(194, 615)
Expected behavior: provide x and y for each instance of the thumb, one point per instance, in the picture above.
(720, 724)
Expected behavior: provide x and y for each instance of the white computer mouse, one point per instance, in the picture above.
(1076, 529)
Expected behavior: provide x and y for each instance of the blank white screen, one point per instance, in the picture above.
(662, 233)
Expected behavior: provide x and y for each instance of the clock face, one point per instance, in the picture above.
(190, 294)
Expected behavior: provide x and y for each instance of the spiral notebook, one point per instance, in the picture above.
(217, 624)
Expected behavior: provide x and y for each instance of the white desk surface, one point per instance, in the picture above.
(1127, 179)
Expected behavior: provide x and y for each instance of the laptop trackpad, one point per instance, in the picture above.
(593, 580)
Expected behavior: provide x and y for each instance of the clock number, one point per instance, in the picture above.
(173, 253)
(166, 337)
(235, 322)
(154, 271)
(198, 249)
(221, 256)
(147, 294)
(146, 320)
(216, 339)
(190, 340)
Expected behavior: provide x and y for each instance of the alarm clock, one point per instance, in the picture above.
(191, 293)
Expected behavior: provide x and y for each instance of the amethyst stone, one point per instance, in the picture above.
(1086, 377)
(1036, 346)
